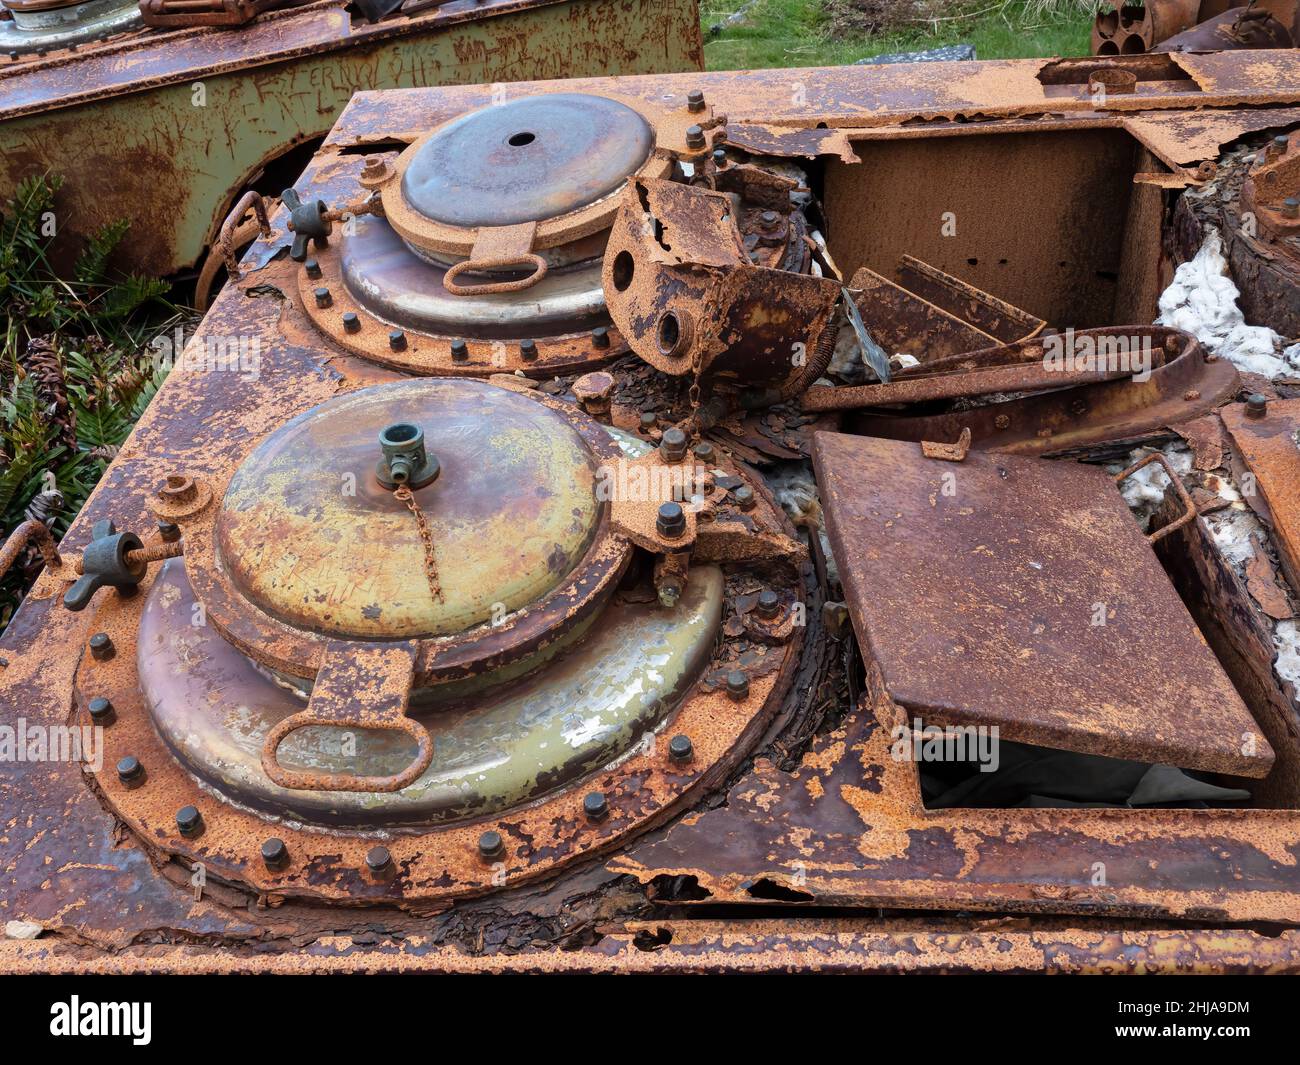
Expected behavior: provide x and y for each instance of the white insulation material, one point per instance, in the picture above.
(1202, 300)
(1237, 533)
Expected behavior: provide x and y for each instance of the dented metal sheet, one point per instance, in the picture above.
(1021, 594)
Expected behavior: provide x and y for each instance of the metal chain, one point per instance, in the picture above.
(405, 494)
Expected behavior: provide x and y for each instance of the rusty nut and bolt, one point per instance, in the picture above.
(323, 297)
(396, 340)
(670, 522)
(744, 497)
(101, 647)
(312, 267)
(768, 605)
(672, 445)
(459, 351)
(704, 451)
(528, 350)
(694, 137)
(189, 822)
(695, 101)
(594, 392)
(169, 532)
(275, 855)
(101, 710)
(491, 846)
(680, 749)
(600, 337)
(737, 685)
(595, 806)
(351, 323)
(1257, 405)
(1291, 207)
(130, 772)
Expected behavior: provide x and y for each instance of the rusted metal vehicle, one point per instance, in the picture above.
(457, 603)
(188, 111)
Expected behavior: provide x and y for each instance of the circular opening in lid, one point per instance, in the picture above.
(520, 139)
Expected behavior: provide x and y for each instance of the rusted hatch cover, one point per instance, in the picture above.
(310, 534)
(1020, 592)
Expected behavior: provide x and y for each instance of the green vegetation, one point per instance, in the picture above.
(807, 33)
(75, 369)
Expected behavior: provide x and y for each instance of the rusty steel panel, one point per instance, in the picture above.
(1267, 443)
(979, 603)
(185, 119)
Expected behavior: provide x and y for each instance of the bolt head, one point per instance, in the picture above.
(169, 531)
(189, 821)
(459, 351)
(600, 337)
(491, 845)
(670, 521)
(378, 860)
(274, 853)
(528, 350)
(595, 806)
(129, 771)
(744, 497)
(680, 749)
(694, 137)
(704, 451)
(672, 445)
(649, 420)
(769, 604)
(737, 685)
(101, 711)
(313, 268)
(101, 647)
(1257, 405)
(695, 100)
(351, 323)
(396, 340)
(323, 297)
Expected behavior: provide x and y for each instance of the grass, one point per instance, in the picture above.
(805, 33)
(75, 368)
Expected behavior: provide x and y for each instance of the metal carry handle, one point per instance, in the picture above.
(359, 685)
(496, 262)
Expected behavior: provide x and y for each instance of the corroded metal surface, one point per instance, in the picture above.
(1268, 445)
(849, 945)
(526, 160)
(492, 750)
(977, 588)
(848, 827)
(80, 114)
(311, 536)
(1117, 414)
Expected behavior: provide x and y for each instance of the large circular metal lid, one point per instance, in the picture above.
(309, 534)
(527, 160)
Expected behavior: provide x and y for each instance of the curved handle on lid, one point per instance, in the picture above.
(495, 262)
(358, 686)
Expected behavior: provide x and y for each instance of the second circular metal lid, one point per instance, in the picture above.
(310, 534)
(527, 160)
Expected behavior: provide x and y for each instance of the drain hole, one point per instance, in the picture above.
(624, 267)
(518, 140)
(770, 889)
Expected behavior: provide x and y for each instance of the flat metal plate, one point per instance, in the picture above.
(980, 587)
(1269, 448)
(526, 160)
